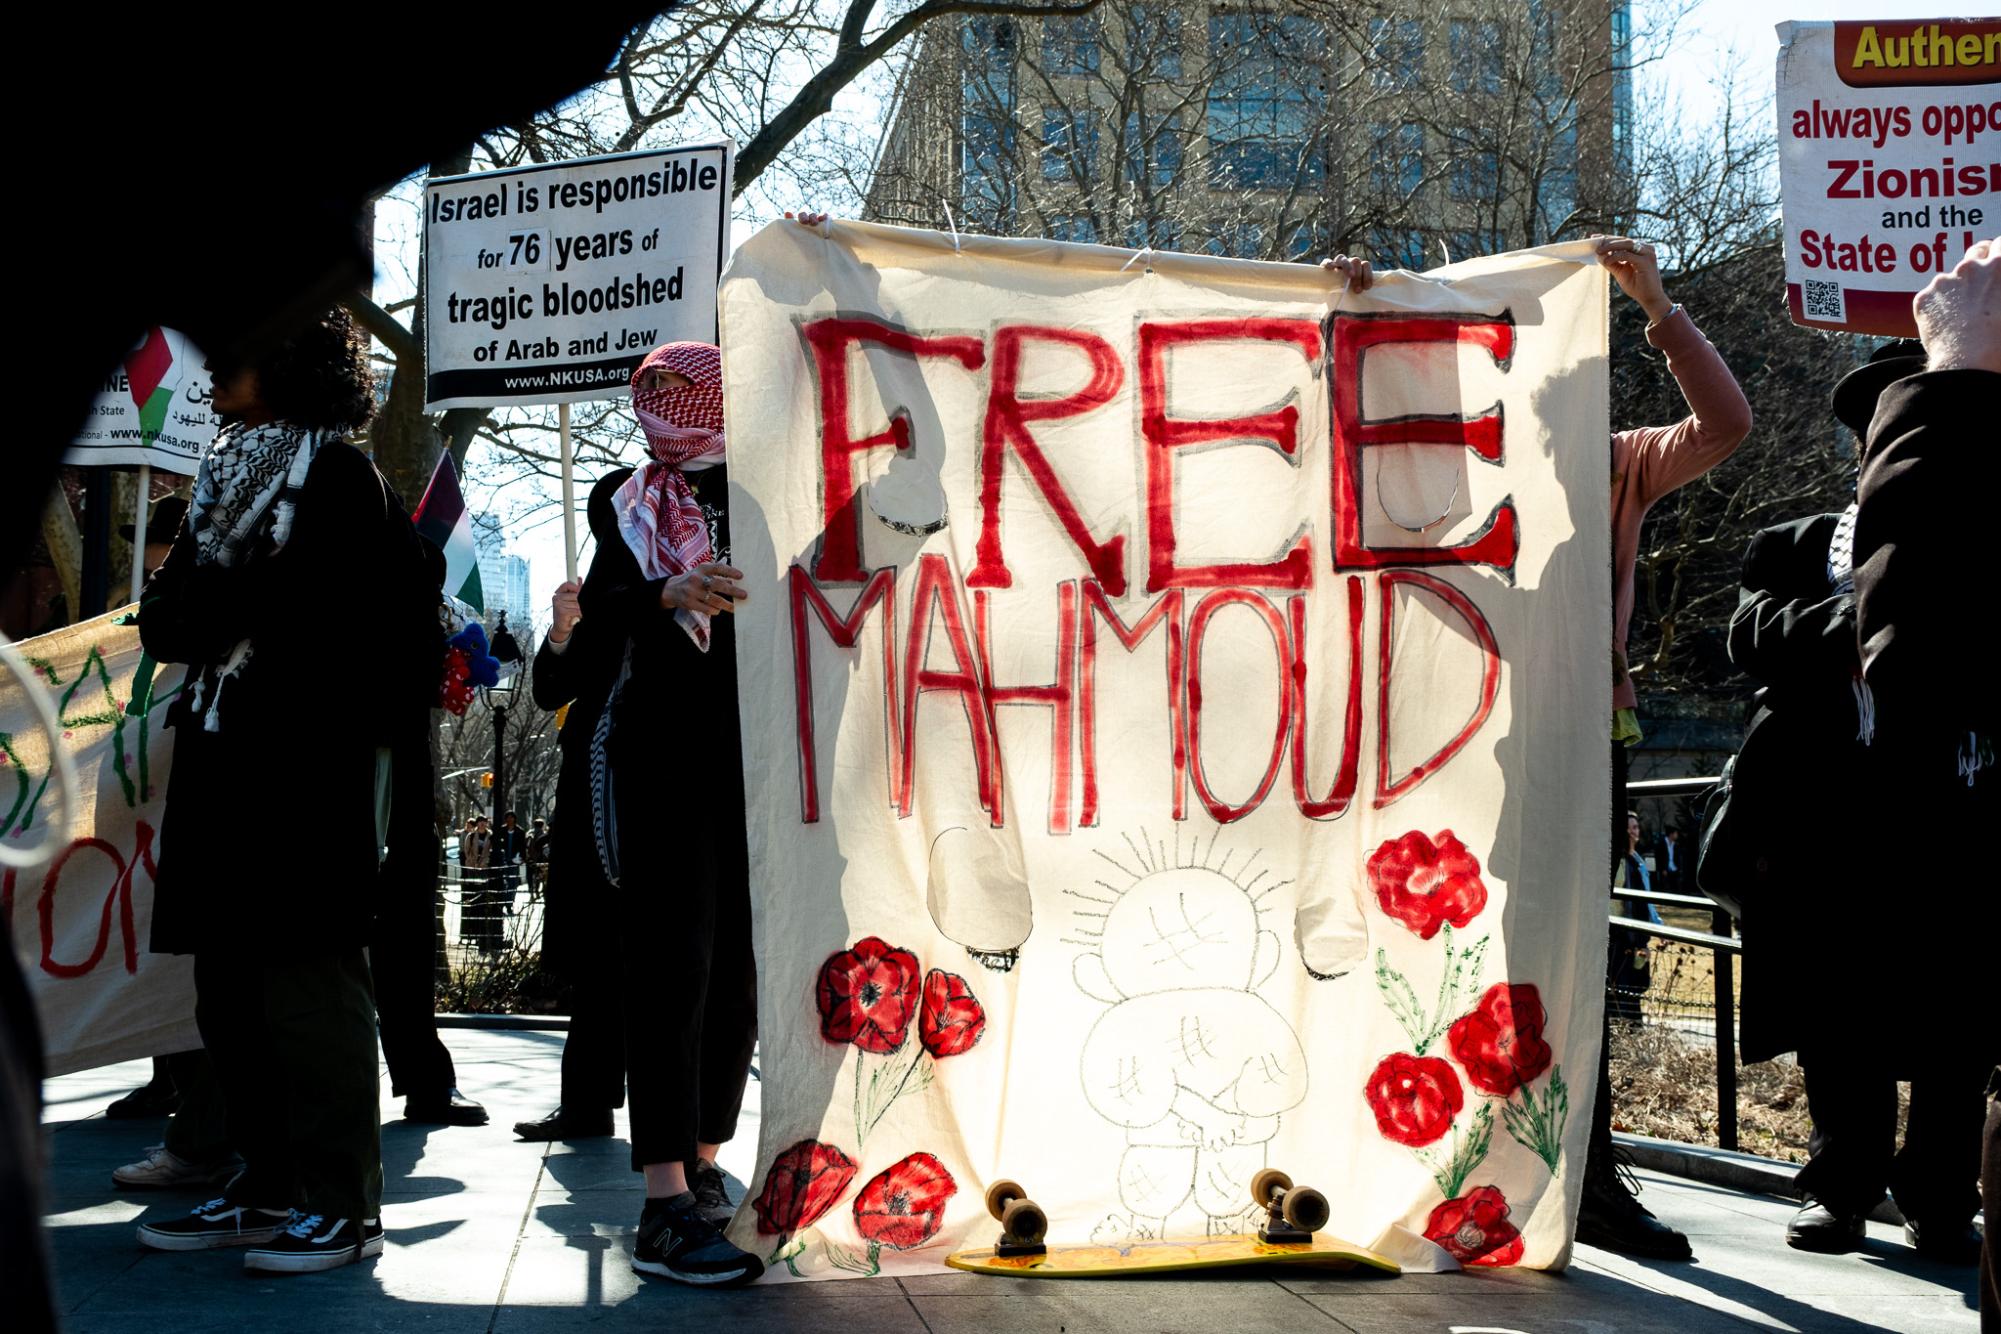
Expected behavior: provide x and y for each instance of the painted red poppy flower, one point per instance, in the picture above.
(1414, 1098)
(1425, 884)
(867, 995)
(804, 1182)
(905, 1206)
(1500, 1042)
(951, 1018)
(1475, 1228)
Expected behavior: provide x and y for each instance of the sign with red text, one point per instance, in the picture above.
(79, 924)
(1174, 700)
(1888, 162)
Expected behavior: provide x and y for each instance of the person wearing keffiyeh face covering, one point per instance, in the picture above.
(646, 649)
(289, 523)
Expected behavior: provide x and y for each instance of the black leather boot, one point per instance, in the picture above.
(1819, 1228)
(562, 1124)
(1952, 1242)
(1613, 1219)
(451, 1108)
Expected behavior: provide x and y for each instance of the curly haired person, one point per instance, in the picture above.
(288, 519)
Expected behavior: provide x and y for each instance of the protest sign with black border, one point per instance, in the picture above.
(549, 284)
(1887, 169)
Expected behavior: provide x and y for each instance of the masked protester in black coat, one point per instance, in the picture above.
(656, 641)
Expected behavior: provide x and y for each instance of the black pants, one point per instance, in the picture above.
(199, 1128)
(293, 1045)
(1853, 1154)
(403, 963)
(594, 1048)
(690, 1001)
(1598, 1149)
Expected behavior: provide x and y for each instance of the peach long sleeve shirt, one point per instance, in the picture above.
(1652, 461)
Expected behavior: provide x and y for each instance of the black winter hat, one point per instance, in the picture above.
(1855, 394)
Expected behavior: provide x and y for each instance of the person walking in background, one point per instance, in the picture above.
(1673, 874)
(286, 515)
(1631, 972)
(537, 858)
(479, 923)
(510, 851)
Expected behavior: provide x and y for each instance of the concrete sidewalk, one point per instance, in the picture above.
(491, 1236)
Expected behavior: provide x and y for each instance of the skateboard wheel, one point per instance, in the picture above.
(1306, 1209)
(1000, 1193)
(1023, 1220)
(1268, 1182)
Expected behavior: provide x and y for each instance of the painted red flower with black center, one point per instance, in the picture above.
(1414, 1098)
(905, 1206)
(1475, 1229)
(867, 994)
(1500, 1043)
(1425, 883)
(804, 1182)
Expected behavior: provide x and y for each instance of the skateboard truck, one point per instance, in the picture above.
(1023, 1224)
(1295, 1213)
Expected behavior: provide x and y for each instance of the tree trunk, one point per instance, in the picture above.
(406, 441)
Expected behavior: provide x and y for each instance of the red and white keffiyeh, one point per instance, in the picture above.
(658, 514)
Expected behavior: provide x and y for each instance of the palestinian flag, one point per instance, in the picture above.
(442, 517)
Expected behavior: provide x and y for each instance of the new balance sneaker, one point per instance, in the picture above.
(217, 1223)
(161, 1168)
(711, 1191)
(314, 1242)
(675, 1241)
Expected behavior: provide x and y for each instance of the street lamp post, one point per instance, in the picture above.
(496, 701)
(507, 653)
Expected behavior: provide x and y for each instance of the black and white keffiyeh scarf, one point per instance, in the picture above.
(247, 488)
(1841, 553)
(1840, 580)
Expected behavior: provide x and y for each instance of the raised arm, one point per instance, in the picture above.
(1663, 458)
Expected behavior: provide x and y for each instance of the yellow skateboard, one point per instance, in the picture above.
(1290, 1236)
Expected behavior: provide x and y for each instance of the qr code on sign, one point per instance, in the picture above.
(1823, 301)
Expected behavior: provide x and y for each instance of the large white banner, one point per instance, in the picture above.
(80, 923)
(548, 284)
(1887, 162)
(1175, 696)
(154, 409)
